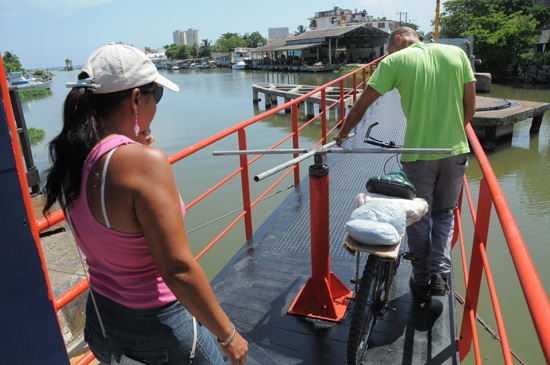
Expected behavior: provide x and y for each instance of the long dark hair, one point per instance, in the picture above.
(85, 115)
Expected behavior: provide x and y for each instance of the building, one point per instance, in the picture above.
(187, 38)
(357, 43)
(277, 33)
(345, 17)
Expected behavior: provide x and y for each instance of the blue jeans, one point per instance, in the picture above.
(161, 335)
(439, 182)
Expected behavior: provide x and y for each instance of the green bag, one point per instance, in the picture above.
(395, 183)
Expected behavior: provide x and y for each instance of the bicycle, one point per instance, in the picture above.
(373, 289)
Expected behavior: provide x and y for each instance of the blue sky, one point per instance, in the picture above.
(46, 32)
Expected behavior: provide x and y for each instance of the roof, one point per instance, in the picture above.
(317, 37)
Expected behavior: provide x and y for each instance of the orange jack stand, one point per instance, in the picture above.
(324, 296)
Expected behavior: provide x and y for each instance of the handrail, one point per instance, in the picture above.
(535, 296)
(490, 195)
(58, 216)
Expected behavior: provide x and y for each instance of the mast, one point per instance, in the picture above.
(436, 36)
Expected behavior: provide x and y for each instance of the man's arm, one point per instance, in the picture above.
(366, 99)
(469, 102)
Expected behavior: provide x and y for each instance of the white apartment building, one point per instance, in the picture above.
(187, 38)
(345, 17)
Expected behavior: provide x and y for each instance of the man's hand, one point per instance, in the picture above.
(339, 139)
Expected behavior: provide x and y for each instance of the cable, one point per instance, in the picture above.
(236, 210)
(488, 328)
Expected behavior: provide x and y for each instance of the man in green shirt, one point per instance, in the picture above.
(437, 88)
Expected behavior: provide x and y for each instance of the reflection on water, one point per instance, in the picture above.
(211, 101)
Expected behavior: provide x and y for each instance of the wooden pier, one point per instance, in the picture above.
(495, 118)
(288, 92)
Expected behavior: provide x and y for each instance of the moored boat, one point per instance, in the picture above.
(22, 82)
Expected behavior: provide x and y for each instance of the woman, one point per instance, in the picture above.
(124, 206)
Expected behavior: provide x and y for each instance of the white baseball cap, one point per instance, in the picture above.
(117, 67)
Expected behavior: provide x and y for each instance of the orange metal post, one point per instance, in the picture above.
(342, 104)
(324, 296)
(324, 115)
(245, 184)
(468, 330)
(295, 142)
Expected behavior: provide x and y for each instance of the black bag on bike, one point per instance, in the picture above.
(395, 183)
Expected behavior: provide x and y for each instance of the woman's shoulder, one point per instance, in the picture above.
(139, 156)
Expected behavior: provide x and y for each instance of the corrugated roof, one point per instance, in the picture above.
(315, 38)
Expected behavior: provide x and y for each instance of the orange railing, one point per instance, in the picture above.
(491, 195)
(239, 129)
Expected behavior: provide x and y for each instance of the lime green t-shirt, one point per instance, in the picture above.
(430, 79)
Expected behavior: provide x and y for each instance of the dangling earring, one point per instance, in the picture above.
(136, 127)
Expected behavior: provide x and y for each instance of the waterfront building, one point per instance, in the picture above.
(345, 17)
(186, 38)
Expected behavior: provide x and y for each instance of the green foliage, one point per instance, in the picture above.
(410, 25)
(182, 52)
(29, 94)
(11, 62)
(254, 40)
(300, 29)
(36, 135)
(503, 30)
(206, 48)
(229, 41)
(534, 59)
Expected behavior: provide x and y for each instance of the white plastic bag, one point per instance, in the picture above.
(414, 209)
(377, 223)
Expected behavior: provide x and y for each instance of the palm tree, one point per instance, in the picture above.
(195, 50)
(300, 29)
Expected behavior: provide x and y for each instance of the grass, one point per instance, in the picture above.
(29, 94)
(36, 135)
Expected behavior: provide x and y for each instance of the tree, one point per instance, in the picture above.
(230, 41)
(11, 62)
(410, 25)
(195, 50)
(254, 40)
(300, 29)
(503, 30)
(206, 48)
(182, 52)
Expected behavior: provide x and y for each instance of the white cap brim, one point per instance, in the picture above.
(163, 81)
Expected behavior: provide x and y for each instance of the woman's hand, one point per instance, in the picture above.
(237, 350)
(149, 138)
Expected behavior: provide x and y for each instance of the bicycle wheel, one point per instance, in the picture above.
(368, 303)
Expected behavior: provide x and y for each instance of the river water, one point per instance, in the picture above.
(212, 100)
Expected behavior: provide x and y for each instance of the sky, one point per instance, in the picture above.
(43, 33)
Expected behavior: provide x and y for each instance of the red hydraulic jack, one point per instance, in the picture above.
(324, 296)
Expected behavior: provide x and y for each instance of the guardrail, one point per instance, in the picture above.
(239, 129)
(491, 195)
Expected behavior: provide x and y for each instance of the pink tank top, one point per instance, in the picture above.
(120, 264)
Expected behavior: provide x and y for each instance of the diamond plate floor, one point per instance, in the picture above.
(261, 281)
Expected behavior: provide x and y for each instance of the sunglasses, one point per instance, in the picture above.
(157, 93)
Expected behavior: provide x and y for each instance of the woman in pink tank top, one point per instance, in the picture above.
(123, 205)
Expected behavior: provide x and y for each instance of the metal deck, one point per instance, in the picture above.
(258, 285)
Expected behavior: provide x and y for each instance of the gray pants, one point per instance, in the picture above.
(440, 183)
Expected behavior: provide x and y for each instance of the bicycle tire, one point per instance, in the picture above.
(365, 310)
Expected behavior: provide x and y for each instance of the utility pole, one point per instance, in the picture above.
(400, 14)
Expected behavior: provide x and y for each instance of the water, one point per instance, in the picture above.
(212, 100)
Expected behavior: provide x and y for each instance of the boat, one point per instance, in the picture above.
(239, 65)
(31, 82)
(267, 275)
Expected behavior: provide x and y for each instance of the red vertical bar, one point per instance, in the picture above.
(365, 77)
(342, 106)
(245, 183)
(295, 142)
(468, 330)
(319, 213)
(324, 115)
(354, 87)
